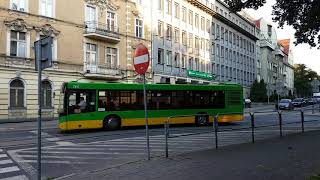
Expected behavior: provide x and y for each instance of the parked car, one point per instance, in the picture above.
(286, 104)
(299, 102)
(247, 103)
(312, 101)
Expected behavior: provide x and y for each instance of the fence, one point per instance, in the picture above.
(281, 121)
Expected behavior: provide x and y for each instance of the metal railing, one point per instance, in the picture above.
(252, 126)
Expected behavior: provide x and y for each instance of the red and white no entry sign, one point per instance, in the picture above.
(141, 59)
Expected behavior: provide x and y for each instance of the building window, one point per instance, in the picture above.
(91, 18)
(18, 44)
(213, 48)
(222, 34)
(218, 31)
(183, 61)
(190, 42)
(47, 8)
(176, 10)
(168, 58)
(17, 94)
(190, 66)
(196, 43)
(160, 29)
(19, 5)
(46, 95)
(139, 28)
(184, 14)
(197, 64)
(176, 35)
(196, 20)
(184, 38)
(160, 56)
(208, 26)
(202, 23)
(176, 60)
(91, 55)
(111, 21)
(169, 7)
(160, 5)
(54, 47)
(111, 57)
(169, 32)
(190, 17)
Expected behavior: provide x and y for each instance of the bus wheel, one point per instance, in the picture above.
(112, 123)
(202, 119)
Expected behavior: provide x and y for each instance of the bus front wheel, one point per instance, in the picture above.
(112, 123)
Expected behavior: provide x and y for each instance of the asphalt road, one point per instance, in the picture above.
(66, 154)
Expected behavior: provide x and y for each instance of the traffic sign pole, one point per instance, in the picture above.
(146, 115)
(141, 61)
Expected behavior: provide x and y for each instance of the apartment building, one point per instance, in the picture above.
(94, 40)
(202, 42)
(275, 61)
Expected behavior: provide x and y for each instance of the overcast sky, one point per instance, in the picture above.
(302, 53)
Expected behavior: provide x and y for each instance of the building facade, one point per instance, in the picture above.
(202, 42)
(288, 67)
(95, 43)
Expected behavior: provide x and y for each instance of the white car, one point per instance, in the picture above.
(247, 103)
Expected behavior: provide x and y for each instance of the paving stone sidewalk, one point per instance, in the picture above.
(294, 157)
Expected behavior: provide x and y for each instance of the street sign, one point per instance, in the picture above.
(43, 53)
(141, 59)
(141, 63)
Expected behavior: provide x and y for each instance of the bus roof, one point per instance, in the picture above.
(135, 86)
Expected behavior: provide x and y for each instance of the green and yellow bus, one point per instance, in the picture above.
(115, 105)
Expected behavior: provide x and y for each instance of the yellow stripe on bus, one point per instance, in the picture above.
(83, 124)
(95, 124)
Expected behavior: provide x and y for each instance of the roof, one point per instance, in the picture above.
(286, 45)
(132, 86)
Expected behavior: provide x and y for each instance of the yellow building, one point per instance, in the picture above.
(94, 40)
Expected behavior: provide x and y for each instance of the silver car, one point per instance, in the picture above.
(286, 104)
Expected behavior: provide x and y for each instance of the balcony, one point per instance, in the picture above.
(105, 72)
(102, 32)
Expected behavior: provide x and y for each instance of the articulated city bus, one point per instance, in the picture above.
(115, 105)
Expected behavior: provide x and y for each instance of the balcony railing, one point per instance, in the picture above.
(101, 31)
(102, 71)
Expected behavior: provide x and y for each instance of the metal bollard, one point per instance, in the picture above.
(302, 121)
(280, 123)
(166, 134)
(312, 108)
(215, 122)
(252, 126)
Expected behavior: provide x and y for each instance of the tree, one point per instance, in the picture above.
(259, 91)
(303, 16)
(302, 79)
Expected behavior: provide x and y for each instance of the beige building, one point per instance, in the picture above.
(94, 40)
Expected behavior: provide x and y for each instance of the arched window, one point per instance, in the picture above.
(46, 92)
(16, 94)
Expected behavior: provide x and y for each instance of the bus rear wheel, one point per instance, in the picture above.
(112, 123)
(202, 119)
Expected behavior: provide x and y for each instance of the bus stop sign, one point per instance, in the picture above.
(141, 59)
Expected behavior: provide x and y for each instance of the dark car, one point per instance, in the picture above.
(286, 104)
(299, 102)
(312, 101)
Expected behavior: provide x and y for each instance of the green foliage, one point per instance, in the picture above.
(259, 91)
(303, 16)
(302, 78)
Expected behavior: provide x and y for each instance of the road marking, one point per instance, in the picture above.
(3, 155)
(88, 153)
(53, 162)
(69, 157)
(9, 169)
(53, 139)
(65, 143)
(22, 177)
(6, 162)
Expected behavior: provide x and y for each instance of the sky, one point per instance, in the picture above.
(302, 53)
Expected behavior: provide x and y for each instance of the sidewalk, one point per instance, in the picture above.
(294, 157)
